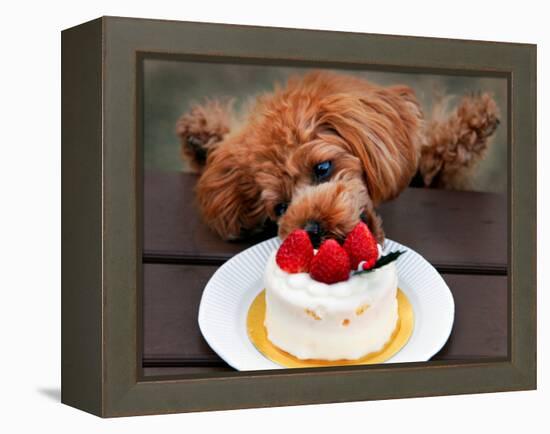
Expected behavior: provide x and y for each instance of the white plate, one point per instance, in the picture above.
(229, 293)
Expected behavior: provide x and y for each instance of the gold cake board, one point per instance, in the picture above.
(258, 335)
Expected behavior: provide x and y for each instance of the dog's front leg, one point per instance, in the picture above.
(202, 129)
(454, 144)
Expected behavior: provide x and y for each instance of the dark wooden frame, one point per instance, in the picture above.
(101, 217)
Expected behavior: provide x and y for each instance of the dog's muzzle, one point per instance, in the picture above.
(315, 232)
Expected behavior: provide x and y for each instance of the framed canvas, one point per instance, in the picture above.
(172, 203)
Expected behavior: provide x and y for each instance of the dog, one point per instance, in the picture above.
(322, 152)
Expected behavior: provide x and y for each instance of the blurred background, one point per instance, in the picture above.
(172, 86)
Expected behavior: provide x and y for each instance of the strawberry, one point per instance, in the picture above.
(361, 246)
(331, 264)
(296, 252)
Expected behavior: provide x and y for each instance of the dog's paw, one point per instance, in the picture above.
(478, 117)
(455, 144)
(201, 129)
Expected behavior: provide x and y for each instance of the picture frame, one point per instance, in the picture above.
(102, 217)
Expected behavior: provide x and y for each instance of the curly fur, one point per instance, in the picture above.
(376, 138)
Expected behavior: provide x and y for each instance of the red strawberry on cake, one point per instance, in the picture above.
(331, 264)
(296, 252)
(361, 247)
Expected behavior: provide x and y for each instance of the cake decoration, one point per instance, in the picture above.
(382, 261)
(331, 264)
(361, 246)
(296, 252)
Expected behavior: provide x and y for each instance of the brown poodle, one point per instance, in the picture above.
(323, 152)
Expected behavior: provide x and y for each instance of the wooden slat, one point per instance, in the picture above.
(456, 231)
(480, 328)
(172, 337)
(180, 371)
(170, 306)
(173, 229)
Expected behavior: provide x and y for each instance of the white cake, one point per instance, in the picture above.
(344, 320)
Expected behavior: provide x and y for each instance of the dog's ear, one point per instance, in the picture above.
(381, 127)
(227, 194)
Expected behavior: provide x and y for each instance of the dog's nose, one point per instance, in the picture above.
(314, 230)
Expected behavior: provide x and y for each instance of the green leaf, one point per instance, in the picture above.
(383, 260)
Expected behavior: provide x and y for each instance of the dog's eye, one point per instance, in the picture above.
(322, 171)
(280, 209)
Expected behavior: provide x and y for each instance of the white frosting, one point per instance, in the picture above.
(344, 320)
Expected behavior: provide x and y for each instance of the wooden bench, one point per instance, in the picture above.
(463, 234)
